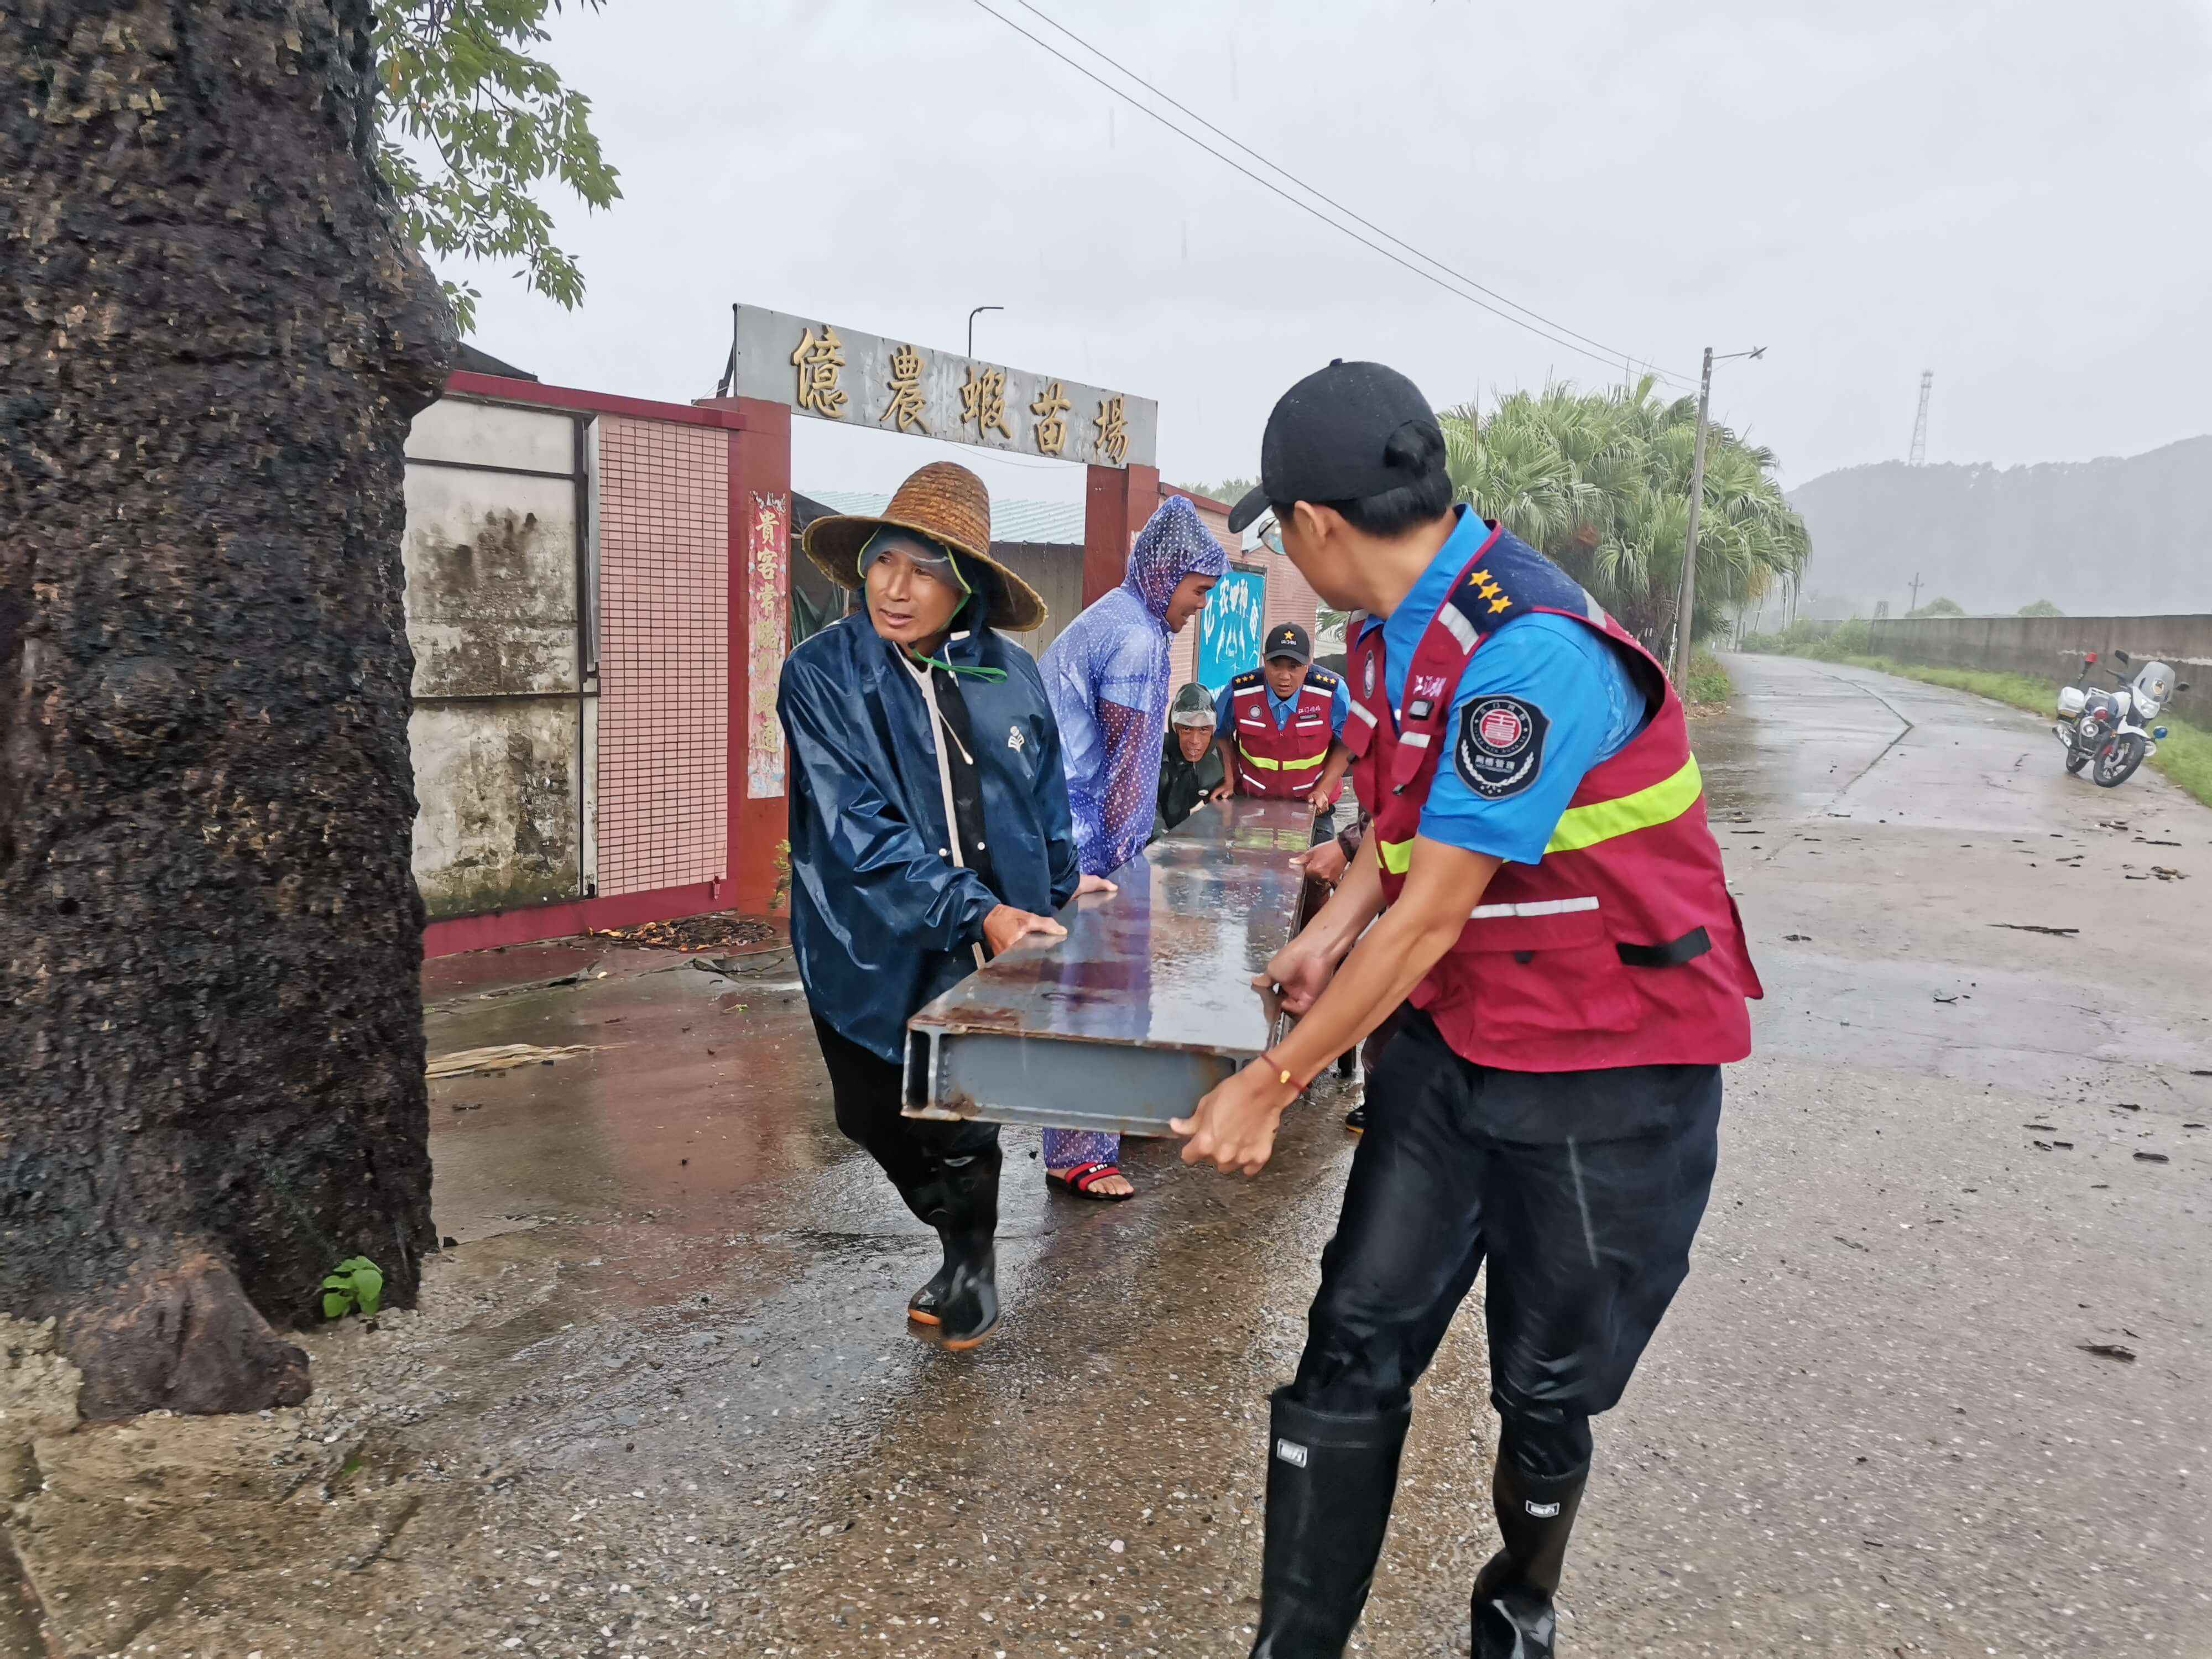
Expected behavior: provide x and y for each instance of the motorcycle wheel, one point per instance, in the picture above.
(2116, 761)
(2076, 759)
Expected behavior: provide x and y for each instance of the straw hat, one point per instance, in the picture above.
(946, 503)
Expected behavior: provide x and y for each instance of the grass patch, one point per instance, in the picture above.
(2184, 754)
(1709, 682)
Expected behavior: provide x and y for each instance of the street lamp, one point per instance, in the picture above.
(1687, 598)
(972, 316)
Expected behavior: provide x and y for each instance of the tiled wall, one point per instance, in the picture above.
(1290, 597)
(664, 659)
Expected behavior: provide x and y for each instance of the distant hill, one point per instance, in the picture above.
(2129, 535)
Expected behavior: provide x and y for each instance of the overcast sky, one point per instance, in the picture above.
(2012, 195)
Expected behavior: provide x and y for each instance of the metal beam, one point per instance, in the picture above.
(1145, 1006)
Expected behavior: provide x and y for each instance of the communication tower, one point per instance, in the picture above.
(1919, 455)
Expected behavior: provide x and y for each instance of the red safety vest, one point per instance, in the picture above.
(1285, 764)
(1621, 946)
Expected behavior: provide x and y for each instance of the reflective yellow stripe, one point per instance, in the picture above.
(1278, 766)
(1586, 826)
(1667, 800)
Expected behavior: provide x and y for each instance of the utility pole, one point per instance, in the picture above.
(1917, 455)
(972, 316)
(1686, 600)
(1685, 604)
(1915, 606)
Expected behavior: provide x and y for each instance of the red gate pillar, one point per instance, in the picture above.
(1116, 502)
(757, 817)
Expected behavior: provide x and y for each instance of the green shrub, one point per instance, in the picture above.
(1709, 682)
(356, 1283)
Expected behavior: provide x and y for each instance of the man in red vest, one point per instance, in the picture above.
(1280, 727)
(1540, 882)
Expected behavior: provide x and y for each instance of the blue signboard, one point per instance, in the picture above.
(1229, 628)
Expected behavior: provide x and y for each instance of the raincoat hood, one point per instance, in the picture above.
(1174, 543)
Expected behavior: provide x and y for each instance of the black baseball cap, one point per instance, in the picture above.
(1288, 640)
(1325, 438)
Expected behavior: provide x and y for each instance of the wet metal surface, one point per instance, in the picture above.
(1144, 1006)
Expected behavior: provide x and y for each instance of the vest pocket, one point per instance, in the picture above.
(1541, 975)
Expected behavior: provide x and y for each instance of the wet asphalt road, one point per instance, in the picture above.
(661, 1400)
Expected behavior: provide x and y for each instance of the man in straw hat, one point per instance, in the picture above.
(929, 831)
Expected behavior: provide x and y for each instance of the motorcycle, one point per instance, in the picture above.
(2109, 732)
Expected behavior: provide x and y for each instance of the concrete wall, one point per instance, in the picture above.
(2051, 648)
(491, 556)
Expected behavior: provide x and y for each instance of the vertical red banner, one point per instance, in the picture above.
(767, 585)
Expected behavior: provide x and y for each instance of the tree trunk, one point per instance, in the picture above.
(211, 343)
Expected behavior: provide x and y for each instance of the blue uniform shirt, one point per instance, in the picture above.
(1569, 681)
(1224, 718)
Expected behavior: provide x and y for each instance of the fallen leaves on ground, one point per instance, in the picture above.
(717, 930)
(501, 1057)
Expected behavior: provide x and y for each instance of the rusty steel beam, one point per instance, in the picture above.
(1144, 1006)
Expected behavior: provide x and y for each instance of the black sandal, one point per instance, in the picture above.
(1080, 1180)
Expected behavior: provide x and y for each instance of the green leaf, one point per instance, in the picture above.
(473, 125)
(368, 1284)
(335, 1306)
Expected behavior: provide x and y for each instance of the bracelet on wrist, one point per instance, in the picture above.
(1281, 1073)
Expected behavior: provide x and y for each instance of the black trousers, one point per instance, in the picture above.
(913, 1151)
(1582, 1189)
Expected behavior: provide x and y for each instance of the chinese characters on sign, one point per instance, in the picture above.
(818, 361)
(1113, 429)
(1051, 430)
(905, 406)
(836, 373)
(768, 552)
(983, 400)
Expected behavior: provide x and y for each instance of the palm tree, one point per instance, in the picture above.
(1600, 481)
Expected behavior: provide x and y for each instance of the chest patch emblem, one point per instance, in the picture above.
(1367, 677)
(1500, 751)
(1014, 738)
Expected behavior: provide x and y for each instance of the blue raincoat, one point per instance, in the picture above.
(881, 919)
(1107, 676)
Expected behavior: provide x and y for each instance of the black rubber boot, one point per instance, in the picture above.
(960, 1199)
(968, 1307)
(1511, 1609)
(925, 1306)
(1330, 1480)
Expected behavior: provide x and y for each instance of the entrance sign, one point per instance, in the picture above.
(838, 374)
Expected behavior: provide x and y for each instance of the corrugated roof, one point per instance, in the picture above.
(1057, 523)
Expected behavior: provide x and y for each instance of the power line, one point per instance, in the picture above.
(1607, 355)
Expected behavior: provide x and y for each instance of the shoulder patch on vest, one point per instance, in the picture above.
(1248, 679)
(1500, 751)
(1516, 578)
(1321, 679)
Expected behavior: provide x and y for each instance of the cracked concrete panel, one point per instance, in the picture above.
(492, 615)
(498, 825)
(491, 583)
(493, 435)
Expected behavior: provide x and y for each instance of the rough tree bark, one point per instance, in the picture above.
(211, 343)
